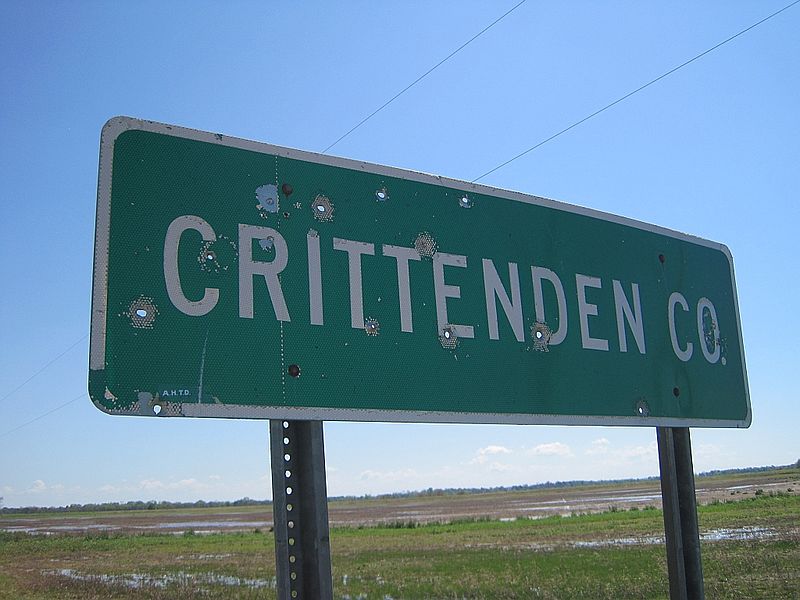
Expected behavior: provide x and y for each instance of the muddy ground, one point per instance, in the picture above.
(590, 498)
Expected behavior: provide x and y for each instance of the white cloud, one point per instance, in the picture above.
(156, 485)
(605, 454)
(599, 446)
(483, 454)
(399, 475)
(551, 449)
(188, 483)
(494, 450)
(647, 451)
(150, 484)
(181, 484)
(38, 487)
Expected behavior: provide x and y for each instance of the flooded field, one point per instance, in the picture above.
(591, 541)
(501, 506)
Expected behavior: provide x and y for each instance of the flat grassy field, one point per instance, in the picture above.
(751, 549)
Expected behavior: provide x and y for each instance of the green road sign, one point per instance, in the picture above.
(238, 279)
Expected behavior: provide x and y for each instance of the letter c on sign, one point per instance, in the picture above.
(677, 298)
(193, 308)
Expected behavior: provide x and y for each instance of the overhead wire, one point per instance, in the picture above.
(489, 172)
(43, 415)
(425, 74)
(636, 91)
(43, 368)
(342, 137)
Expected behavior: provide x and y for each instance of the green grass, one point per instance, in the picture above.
(466, 559)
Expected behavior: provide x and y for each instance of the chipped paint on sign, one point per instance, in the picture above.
(322, 208)
(267, 196)
(425, 245)
(372, 327)
(142, 312)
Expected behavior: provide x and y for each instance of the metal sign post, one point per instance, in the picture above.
(300, 508)
(680, 514)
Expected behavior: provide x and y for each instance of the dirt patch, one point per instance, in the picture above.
(433, 508)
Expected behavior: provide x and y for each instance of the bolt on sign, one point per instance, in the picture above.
(238, 279)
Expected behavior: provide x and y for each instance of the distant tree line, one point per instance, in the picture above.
(135, 505)
(492, 490)
(746, 470)
(163, 504)
(551, 484)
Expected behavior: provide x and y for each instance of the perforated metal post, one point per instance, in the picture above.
(680, 514)
(300, 507)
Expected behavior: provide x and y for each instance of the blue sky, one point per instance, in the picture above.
(711, 150)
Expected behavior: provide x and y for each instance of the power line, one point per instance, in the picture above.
(24, 383)
(425, 74)
(43, 415)
(636, 91)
